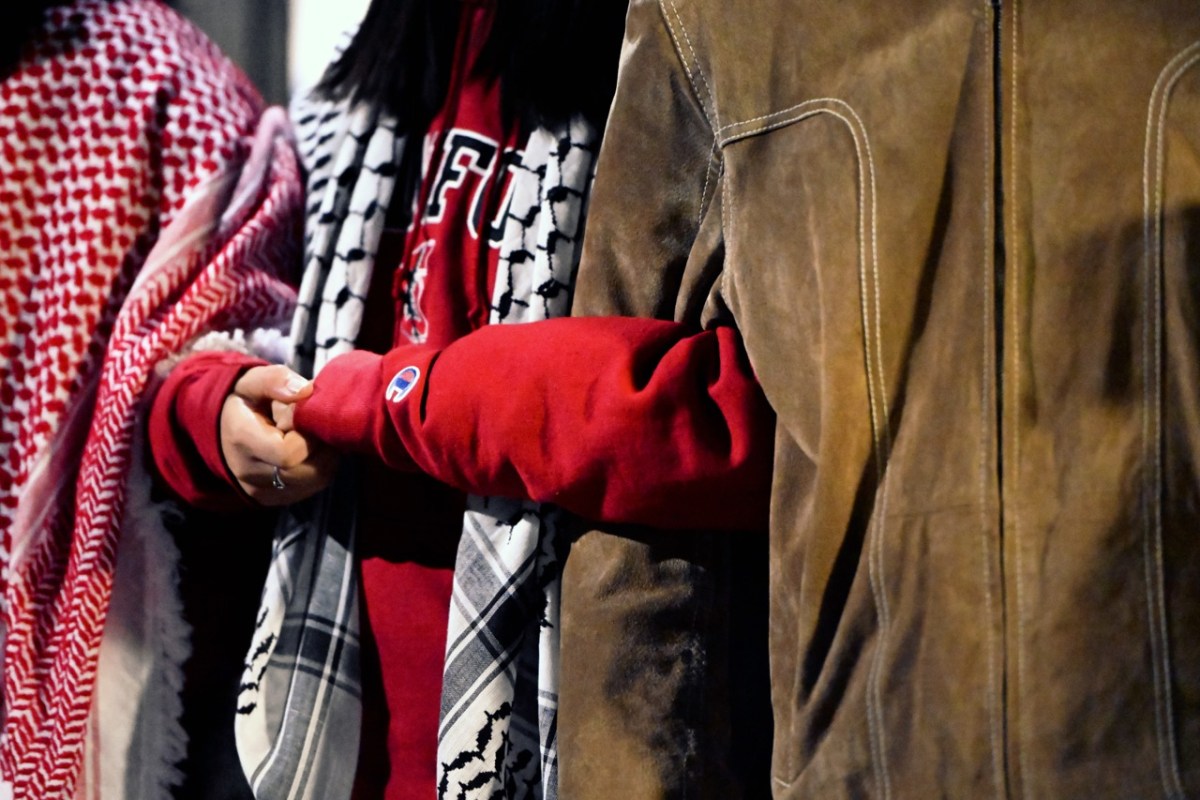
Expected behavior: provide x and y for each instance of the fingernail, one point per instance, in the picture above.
(295, 384)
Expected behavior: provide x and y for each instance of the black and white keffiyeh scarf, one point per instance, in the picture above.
(498, 731)
(300, 703)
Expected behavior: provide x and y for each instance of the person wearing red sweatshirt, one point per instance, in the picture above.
(435, 125)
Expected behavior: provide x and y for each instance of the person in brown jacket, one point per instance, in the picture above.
(960, 241)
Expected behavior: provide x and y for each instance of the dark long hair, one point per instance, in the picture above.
(22, 19)
(555, 58)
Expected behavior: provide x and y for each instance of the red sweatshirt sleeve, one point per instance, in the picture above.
(184, 429)
(616, 419)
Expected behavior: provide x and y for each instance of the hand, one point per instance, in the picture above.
(254, 445)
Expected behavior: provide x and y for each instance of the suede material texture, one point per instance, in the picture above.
(960, 243)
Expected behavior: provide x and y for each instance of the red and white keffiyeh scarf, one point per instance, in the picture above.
(144, 199)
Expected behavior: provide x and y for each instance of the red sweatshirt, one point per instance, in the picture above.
(615, 419)
(620, 420)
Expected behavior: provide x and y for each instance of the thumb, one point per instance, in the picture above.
(275, 382)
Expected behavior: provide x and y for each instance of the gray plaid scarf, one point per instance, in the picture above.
(299, 709)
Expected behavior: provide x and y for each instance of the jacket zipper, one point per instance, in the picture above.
(998, 251)
(999, 254)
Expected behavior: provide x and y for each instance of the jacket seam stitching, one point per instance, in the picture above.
(761, 117)
(770, 115)
(1152, 428)
(726, 230)
(708, 171)
(666, 14)
(881, 434)
(883, 448)
(869, 298)
(715, 121)
(797, 112)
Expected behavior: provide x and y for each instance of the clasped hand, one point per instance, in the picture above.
(257, 436)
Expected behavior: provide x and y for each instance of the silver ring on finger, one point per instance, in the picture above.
(277, 479)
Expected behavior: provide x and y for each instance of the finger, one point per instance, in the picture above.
(275, 382)
(311, 475)
(282, 414)
(316, 470)
(271, 495)
(319, 465)
(299, 482)
(296, 450)
(248, 429)
(255, 437)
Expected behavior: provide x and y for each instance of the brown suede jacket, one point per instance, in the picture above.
(961, 241)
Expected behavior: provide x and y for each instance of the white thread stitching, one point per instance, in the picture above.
(874, 367)
(884, 452)
(881, 417)
(801, 107)
(726, 219)
(1151, 354)
(875, 371)
(727, 276)
(687, 69)
(708, 171)
(1172, 755)
(878, 421)
(724, 128)
(726, 231)
(874, 713)
(1148, 482)
(712, 98)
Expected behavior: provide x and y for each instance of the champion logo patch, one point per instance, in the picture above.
(402, 384)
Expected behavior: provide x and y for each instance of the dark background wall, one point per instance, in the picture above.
(254, 33)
